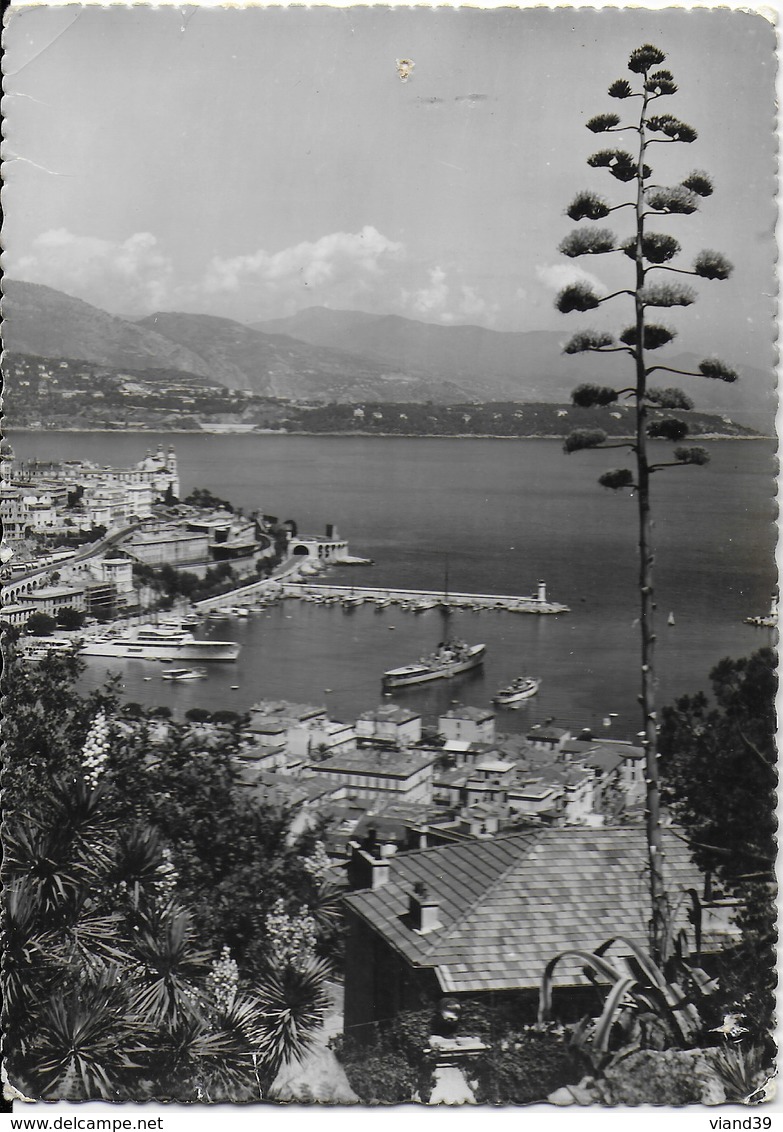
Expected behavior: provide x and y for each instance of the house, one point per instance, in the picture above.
(469, 724)
(379, 775)
(388, 726)
(319, 736)
(547, 738)
(484, 917)
(535, 798)
(51, 599)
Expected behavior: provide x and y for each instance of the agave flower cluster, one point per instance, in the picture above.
(291, 938)
(96, 750)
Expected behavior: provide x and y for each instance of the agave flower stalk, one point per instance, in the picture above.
(650, 252)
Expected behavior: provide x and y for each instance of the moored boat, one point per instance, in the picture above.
(449, 659)
(154, 642)
(183, 674)
(521, 688)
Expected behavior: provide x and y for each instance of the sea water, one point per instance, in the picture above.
(499, 515)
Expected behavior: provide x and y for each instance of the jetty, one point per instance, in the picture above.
(293, 579)
(423, 599)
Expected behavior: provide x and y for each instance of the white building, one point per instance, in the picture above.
(389, 726)
(468, 724)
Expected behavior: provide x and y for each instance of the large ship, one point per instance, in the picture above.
(449, 659)
(156, 642)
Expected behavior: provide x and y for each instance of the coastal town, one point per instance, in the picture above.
(389, 674)
(87, 545)
(109, 562)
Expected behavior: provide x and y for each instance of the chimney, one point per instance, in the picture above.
(366, 870)
(423, 910)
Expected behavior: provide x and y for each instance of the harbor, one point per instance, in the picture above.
(294, 586)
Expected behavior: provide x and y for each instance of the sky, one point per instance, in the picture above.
(251, 163)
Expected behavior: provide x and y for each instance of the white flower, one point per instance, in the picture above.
(96, 749)
(291, 937)
(224, 980)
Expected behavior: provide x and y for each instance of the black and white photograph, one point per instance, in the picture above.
(389, 598)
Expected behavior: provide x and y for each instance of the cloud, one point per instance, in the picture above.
(559, 275)
(332, 269)
(473, 305)
(431, 299)
(447, 301)
(131, 276)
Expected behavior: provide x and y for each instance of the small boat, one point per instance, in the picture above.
(522, 688)
(183, 674)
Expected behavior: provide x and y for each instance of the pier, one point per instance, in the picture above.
(424, 599)
(287, 582)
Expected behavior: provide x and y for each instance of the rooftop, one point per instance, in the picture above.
(535, 734)
(287, 710)
(475, 714)
(374, 763)
(390, 713)
(509, 904)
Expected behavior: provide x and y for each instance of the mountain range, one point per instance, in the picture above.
(326, 355)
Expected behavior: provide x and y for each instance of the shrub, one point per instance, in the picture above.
(524, 1068)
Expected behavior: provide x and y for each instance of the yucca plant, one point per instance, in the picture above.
(744, 1072)
(171, 968)
(28, 974)
(200, 1060)
(88, 1044)
(291, 1003)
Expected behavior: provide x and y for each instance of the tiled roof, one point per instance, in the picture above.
(510, 904)
(377, 765)
(390, 713)
(476, 715)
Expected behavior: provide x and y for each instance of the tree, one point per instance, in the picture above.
(718, 778)
(70, 618)
(169, 498)
(41, 624)
(650, 253)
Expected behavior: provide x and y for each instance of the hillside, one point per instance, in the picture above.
(48, 323)
(523, 366)
(497, 418)
(280, 366)
(347, 356)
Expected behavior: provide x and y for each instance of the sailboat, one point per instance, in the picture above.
(450, 658)
(670, 619)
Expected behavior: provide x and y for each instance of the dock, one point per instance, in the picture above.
(423, 599)
(289, 582)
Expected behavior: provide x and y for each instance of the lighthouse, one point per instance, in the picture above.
(541, 593)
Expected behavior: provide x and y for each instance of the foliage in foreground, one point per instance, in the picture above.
(150, 907)
(522, 1064)
(718, 766)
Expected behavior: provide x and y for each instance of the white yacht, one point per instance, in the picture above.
(156, 642)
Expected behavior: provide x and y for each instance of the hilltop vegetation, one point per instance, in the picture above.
(58, 393)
